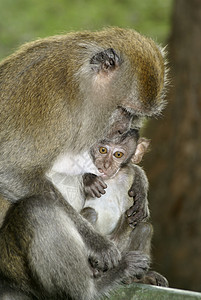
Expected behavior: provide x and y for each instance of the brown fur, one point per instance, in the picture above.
(41, 88)
(4, 206)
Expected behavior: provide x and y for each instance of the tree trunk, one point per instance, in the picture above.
(174, 163)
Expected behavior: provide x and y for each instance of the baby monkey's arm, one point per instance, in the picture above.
(94, 186)
(139, 211)
(139, 189)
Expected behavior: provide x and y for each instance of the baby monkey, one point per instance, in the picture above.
(108, 206)
(115, 161)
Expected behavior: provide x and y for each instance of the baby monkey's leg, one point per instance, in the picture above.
(137, 239)
(89, 214)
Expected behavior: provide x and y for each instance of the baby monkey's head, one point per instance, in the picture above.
(109, 156)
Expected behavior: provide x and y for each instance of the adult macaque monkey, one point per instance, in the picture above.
(57, 97)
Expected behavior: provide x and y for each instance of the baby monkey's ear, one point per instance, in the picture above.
(105, 61)
(141, 149)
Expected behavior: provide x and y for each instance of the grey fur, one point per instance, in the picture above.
(53, 103)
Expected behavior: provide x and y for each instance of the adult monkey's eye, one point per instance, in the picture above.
(118, 154)
(103, 150)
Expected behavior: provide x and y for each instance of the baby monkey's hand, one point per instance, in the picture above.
(94, 186)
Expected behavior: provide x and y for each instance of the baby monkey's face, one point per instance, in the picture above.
(109, 157)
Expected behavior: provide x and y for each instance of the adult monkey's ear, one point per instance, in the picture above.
(105, 61)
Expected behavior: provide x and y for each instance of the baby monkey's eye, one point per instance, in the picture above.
(118, 154)
(103, 150)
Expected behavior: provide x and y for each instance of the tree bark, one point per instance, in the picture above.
(174, 163)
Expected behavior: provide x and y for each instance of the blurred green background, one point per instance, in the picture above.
(25, 20)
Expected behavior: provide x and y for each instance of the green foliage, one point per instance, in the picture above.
(25, 20)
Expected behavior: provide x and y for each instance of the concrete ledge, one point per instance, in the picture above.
(148, 292)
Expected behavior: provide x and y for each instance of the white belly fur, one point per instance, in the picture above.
(66, 175)
(113, 203)
(71, 164)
